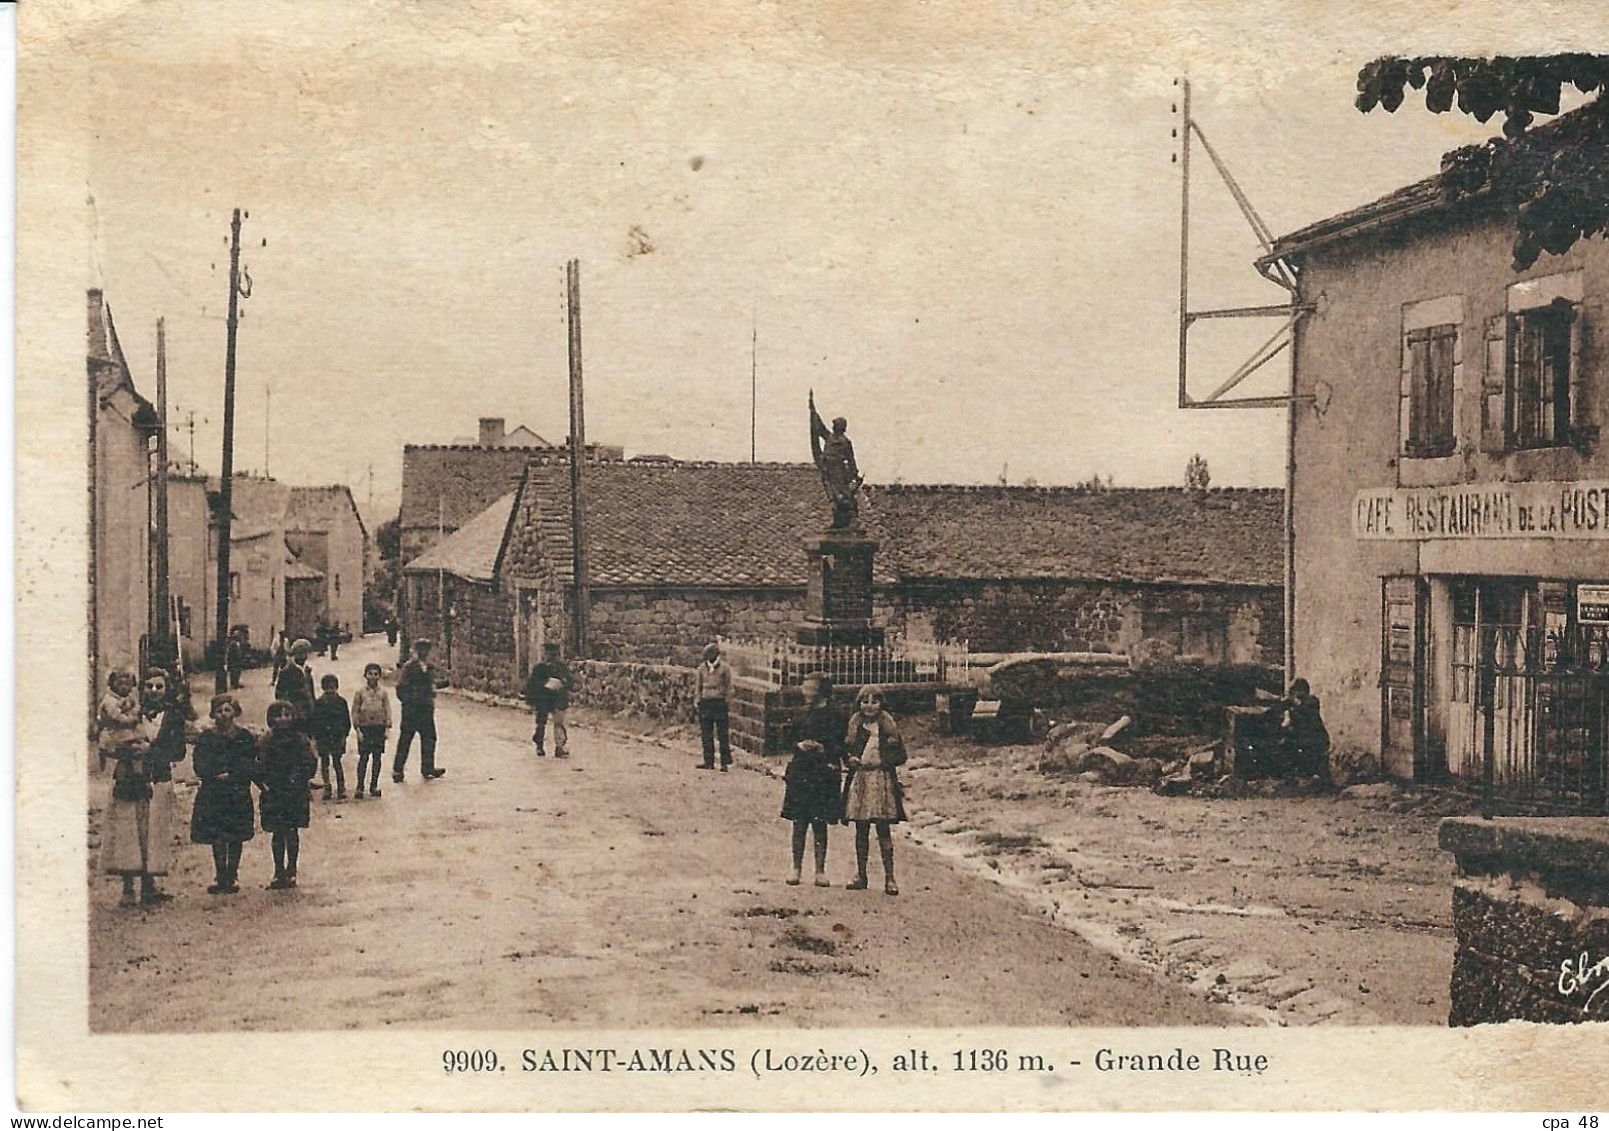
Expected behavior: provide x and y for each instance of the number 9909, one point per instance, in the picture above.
(474, 1060)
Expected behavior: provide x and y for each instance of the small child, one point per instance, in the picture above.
(548, 693)
(330, 724)
(285, 769)
(119, 716)
(371, 715)
(224, 816)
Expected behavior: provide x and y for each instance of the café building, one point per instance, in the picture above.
(1450, 488)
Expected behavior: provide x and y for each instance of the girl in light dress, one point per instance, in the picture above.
(872, 794)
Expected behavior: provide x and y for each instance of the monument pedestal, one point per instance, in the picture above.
(838, 600)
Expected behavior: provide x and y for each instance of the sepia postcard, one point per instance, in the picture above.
(789, 557)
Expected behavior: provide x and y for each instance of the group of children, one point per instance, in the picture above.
(143, 731)
(845, 775)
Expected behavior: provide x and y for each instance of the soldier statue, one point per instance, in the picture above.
(835, 459)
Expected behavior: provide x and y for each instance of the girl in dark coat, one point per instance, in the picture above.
(285, 768)
(224, 816)
(872, 794)
(813, 795)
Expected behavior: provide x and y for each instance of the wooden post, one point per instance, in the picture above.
(226, 483)
(578, 447)
(161, 623)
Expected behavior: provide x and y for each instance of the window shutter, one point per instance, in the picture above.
(1405, 397)
(1494, 417)
(1583, 414)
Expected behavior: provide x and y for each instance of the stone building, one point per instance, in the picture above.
(446, 485)
(1452, 486)
(680, 553)
(1067, 569)
(451, 597)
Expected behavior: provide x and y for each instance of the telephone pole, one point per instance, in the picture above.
(754, 380)
(578, 429)
(225, 491)
(161, 627)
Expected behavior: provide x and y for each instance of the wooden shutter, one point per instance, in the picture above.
(1494, 383)
(1405, 396)
(1583, 415)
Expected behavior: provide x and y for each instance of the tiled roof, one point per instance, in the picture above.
(737, 525)
(471, 551)
(684, 524)
(318, 508)
(1524, 161)
(256, 502)
(107, 365)
(1165, 534)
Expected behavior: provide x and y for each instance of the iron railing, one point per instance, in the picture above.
(784, 663)
(1531, 713)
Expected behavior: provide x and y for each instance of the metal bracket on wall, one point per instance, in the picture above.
(1276, 271)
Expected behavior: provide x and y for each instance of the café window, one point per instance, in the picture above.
(1428, 391)
(1539, 375)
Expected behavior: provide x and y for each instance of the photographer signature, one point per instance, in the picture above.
(1582, 975)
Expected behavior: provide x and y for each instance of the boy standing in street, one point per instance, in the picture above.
(416, 691)
(331, 723)
(548, 693)
(714, 715)
(371, 714)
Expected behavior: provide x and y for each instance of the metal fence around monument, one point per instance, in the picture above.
(784, 663)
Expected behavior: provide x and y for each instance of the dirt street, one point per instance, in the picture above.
(620, 888)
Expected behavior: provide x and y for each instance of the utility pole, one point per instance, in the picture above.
(578, 430)
(754, 380)
(268, 426)
(225, 491)
(161, 626)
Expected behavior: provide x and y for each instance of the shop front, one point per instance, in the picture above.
(1495, 652)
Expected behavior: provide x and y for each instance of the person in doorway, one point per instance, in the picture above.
(224, 816)
(812, 796)
(371, 715)
(1305, 737)
(417, 681)
(714, 707)
(295, 685)
(137, 839)
(872, 794)
(331, 723)
(284, 772)
(548, 692)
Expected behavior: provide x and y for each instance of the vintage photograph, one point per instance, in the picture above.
(806, 519)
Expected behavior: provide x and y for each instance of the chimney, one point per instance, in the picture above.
(491, 431)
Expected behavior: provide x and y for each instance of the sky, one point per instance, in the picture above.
(963, 235)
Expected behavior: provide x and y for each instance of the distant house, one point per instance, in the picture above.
(679, 553)
(121, 425)
(446, 485)
(451, 597)
(326, 534)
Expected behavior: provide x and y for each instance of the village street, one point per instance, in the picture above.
(624, 888)
(619, 888)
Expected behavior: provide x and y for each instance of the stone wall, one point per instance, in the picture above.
(660, 691)
(1531, 919)
(1234, 624)
(476, 649)
(673, 625)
